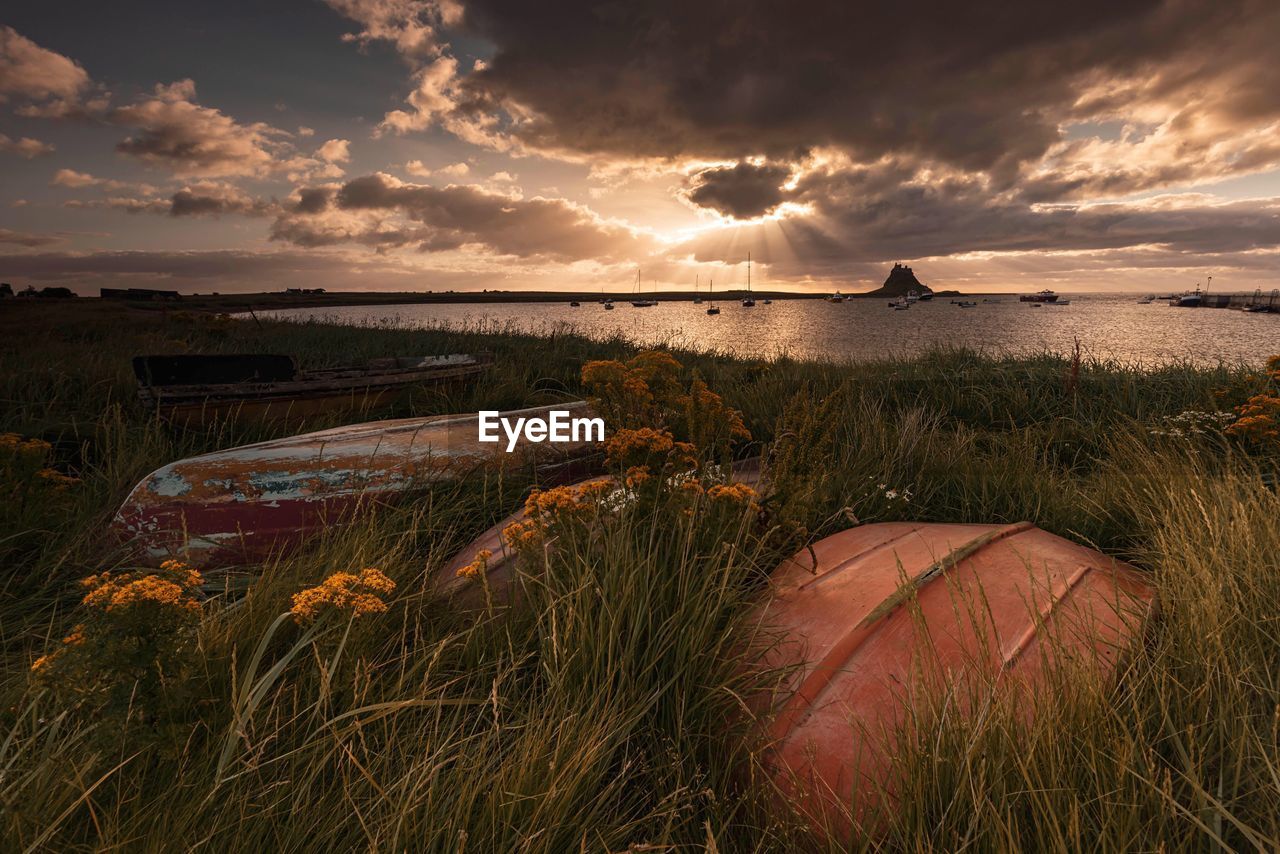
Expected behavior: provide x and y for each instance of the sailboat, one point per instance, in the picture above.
(638, 302)
(605, 301)
(697, 297)
(711, 293)
(748, 301)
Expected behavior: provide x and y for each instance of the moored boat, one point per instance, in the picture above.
(1040, 297)
(238, 505)
(196, 389)
(877, 627)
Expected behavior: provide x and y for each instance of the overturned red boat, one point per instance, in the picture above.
(877, 621)
(241, 504)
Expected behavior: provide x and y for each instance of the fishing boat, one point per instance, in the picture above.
(1193, 299)
(191, 389)
(640, 302)
(1040, 297)
(748, 301)
(880, 626)
(242, 504)
(713, 309)
(1258, 306)
(836, 297)
(899, 304)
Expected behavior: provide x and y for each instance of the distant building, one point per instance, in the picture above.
(138, 294)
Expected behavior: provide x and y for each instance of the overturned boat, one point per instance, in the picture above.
(242, 504)
(878, 624)
(198, 389)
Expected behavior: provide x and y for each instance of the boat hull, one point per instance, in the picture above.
(881, 624)
(500, 568)
(243, 504)
(310, 395)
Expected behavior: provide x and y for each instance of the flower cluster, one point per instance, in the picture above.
(734, 493)
(172, 588)
(546, 510)
(1191, 423)
(478, 566)
(24, 465)
(136, 638)
(645, 393)
(348, 594)
(1258, 420)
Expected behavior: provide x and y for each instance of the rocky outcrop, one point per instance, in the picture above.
(899, 283)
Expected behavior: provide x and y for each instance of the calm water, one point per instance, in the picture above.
(1108, 327)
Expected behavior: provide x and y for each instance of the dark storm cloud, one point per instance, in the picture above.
(742, 191)
(443, 218)
(979, 85)
(869, 214)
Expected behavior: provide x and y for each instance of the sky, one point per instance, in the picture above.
(1101, 145)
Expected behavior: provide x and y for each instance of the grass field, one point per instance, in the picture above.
(605, 713)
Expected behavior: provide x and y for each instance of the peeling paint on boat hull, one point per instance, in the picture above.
(241, 504)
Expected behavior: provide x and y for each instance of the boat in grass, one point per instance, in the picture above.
(464, 592)
(193, 390)
(243, 504)
(884, 625)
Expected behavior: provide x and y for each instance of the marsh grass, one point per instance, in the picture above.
(608, 711)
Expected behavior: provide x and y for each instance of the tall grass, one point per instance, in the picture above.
(607, 711)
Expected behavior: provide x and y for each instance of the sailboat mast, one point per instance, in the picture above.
(748, 272)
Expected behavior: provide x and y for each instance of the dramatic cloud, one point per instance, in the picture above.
(33, 73)
(742, 191)
(380, 210)
(25, 147)
(190, 139)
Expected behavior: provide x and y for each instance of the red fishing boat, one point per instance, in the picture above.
(878, 621)
(241, 504)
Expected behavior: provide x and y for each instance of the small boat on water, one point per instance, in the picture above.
(697, 297)
(241, 504)
(1147, 300)
(836, 297)
(1040, 297)
(748, 301)
(711, 288)
(640, 302)
(899, 304)
(1058, 302)
(965, 303)
(574, 304)
(191, 389)
(879, 626)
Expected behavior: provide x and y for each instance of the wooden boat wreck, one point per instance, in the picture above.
(242, 504)
(500, 567)
(199, 389)
(881, 623)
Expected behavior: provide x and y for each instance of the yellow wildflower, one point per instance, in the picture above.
(346, 593)
(478, 566)
(735, 493)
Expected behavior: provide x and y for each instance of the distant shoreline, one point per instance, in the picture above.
(337, 299)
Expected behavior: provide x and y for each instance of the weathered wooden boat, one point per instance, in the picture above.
(199, 389)
(877, 621)
(500, 568)
(239, 505)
